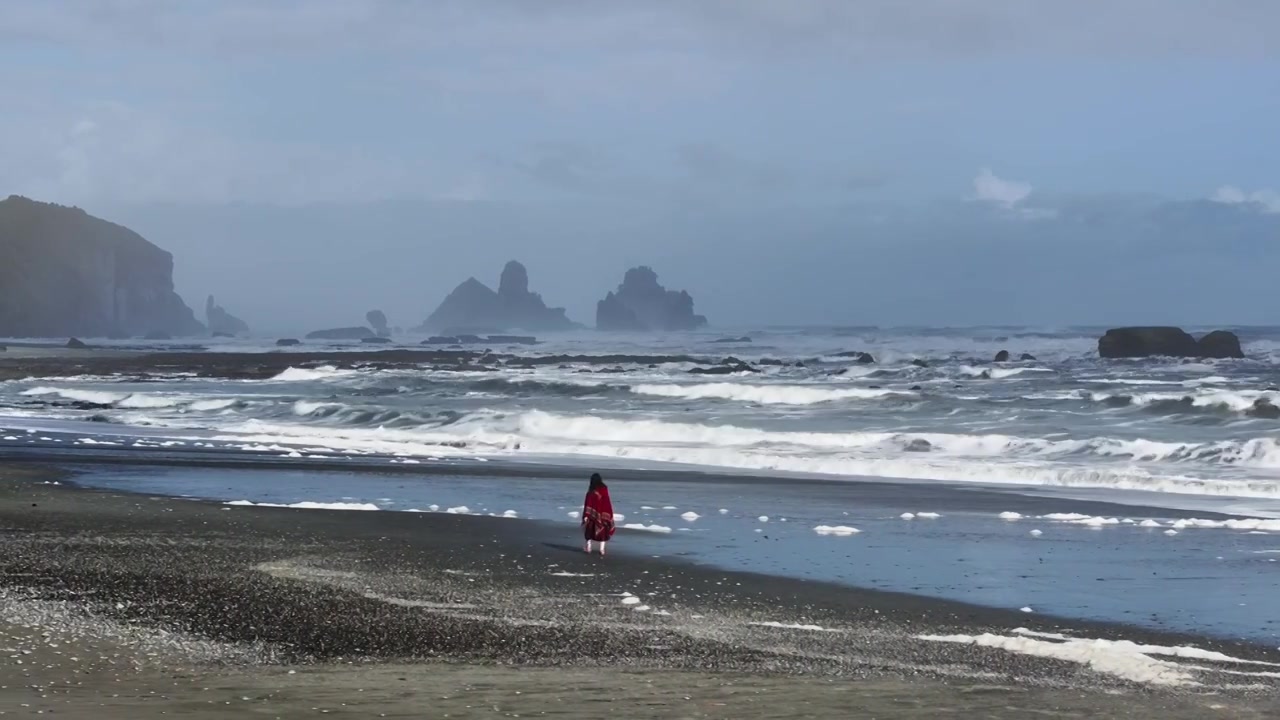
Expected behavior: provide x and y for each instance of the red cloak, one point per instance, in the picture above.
(597, 515)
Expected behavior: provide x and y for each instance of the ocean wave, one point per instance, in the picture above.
(991, 458)
(324, 372)
(764, 394)
(997, 373)
(1230, 400)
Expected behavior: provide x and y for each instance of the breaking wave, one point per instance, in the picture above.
(1097, 462)
(764, 394)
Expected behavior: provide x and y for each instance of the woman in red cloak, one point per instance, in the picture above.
(597, 514)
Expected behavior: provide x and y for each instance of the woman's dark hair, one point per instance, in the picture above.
(596, 481)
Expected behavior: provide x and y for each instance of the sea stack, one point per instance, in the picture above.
(221, 322)
(474, 307)
(641, 304)
(65, 272)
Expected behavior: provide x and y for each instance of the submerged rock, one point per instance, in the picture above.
(346, 333)
(288, 342)
(1026, 357)
(731, 340)
(640, 304)
(76, 344)
(1264, 408)
(920, 363)
(1002, 356)
(376, 340)
(918, 445)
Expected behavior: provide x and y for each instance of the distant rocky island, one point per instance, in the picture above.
(641, 304)
(1140, 342)
(222, 323)
(65, 272)
(474, 307)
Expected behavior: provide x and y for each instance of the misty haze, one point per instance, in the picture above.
(715, 358)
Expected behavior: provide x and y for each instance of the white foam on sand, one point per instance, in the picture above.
(572, 575)
(459, 510)
(928, 515)
(792, 626)
(1036, 533)
(838, 530)
(631, 600)
(1121, 659)
(908, 516)
(648, 528)
(308, 505)
(1010, 516)
(763, 518)
(690, 516)
(724, 511)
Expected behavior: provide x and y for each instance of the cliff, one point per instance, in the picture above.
(65, 272)
(642, 305)
(222, 322)
(474, 306)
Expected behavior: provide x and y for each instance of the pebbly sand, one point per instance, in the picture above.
(120, 605)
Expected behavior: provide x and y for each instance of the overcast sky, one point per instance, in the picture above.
(868, 162)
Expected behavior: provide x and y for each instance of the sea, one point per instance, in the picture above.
(1195, 438)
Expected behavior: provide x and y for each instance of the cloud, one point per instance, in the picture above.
(1007, 193)
(1266, 200)
(867, 28)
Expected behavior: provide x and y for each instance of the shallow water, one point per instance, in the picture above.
(1217, 581)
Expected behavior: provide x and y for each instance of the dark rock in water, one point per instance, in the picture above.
(512, 340)
(157, 335)
(1026, 357)
(984, 375)
(76, 344)
(1273, 388)
(916, 388)
(640, 304)
(64, 272)
(770, 362)
(1002, 356)
(470, 339)
(473, 305)
(346, 333)
(612, 371)
(920, 363)
(731, 360)
(1117, 401)
(1138, 342)
(918, 445)
(222, 323)
(376, 340)
(378, 321)
(858, 356)
(287, 342)
(731, 340)
(723, 369)
(441, 340)
(1221, 345)
(1263, 408)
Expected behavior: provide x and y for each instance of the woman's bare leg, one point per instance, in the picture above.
(588, 547)
(602, 544)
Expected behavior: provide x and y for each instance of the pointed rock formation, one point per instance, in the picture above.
(221, 322)
(475, 307)
(641, 304)
(65, 272)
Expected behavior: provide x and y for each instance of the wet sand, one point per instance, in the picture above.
(120, 605)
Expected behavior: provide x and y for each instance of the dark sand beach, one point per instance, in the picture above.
(119, 605)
